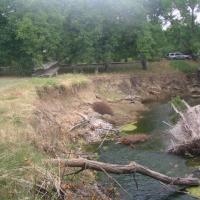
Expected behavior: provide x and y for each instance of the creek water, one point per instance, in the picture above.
(151, 154)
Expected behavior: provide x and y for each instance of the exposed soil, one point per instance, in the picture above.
(66, 115)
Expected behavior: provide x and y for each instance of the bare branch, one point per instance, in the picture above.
(126, 169)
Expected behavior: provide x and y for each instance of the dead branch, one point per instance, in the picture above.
(126, 169)
(82, 123)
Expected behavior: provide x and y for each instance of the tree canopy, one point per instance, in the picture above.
(101, 31)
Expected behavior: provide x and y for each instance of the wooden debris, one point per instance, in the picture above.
(186, 133)
(131, 168)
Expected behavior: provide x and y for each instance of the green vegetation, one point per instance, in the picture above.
(178, 103)
(15, 162)
(44, 81)
(185, 66)
(128, 128)
(194, 191)
(85, 31)
(18, 154)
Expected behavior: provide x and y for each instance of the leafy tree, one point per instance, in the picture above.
(101, 31)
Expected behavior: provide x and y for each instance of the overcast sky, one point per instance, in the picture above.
(177, 15)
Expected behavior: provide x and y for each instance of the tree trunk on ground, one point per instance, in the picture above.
(125, 169)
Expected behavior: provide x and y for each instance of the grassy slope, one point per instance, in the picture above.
(16, 107)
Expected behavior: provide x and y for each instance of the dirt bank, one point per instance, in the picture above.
(67, 114)
(65, 119)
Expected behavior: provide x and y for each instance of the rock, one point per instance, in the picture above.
(133, 139)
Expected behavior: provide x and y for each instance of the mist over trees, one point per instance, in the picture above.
(84, 31)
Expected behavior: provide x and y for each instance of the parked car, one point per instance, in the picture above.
(178, 56)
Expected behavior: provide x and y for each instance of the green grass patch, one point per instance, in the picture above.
(15, 156)
(44, 81)
(178, 103)
(184, 66)
(180, 106)
(13, 161)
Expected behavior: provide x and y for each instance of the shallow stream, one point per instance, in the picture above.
(151, 154)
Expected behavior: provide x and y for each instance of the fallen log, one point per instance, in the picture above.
(131, 168)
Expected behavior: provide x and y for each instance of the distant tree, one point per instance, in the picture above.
(101, 31)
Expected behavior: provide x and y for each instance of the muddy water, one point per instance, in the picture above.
(151, 154)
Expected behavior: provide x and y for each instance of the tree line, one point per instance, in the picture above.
(33, 32)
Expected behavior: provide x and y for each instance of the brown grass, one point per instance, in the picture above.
(59, 91)
(25, 120)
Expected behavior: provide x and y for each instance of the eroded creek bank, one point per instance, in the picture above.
(66, 119)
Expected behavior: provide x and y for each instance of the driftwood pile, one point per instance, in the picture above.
(185, 135)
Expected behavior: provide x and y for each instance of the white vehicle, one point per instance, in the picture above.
(178, 56)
